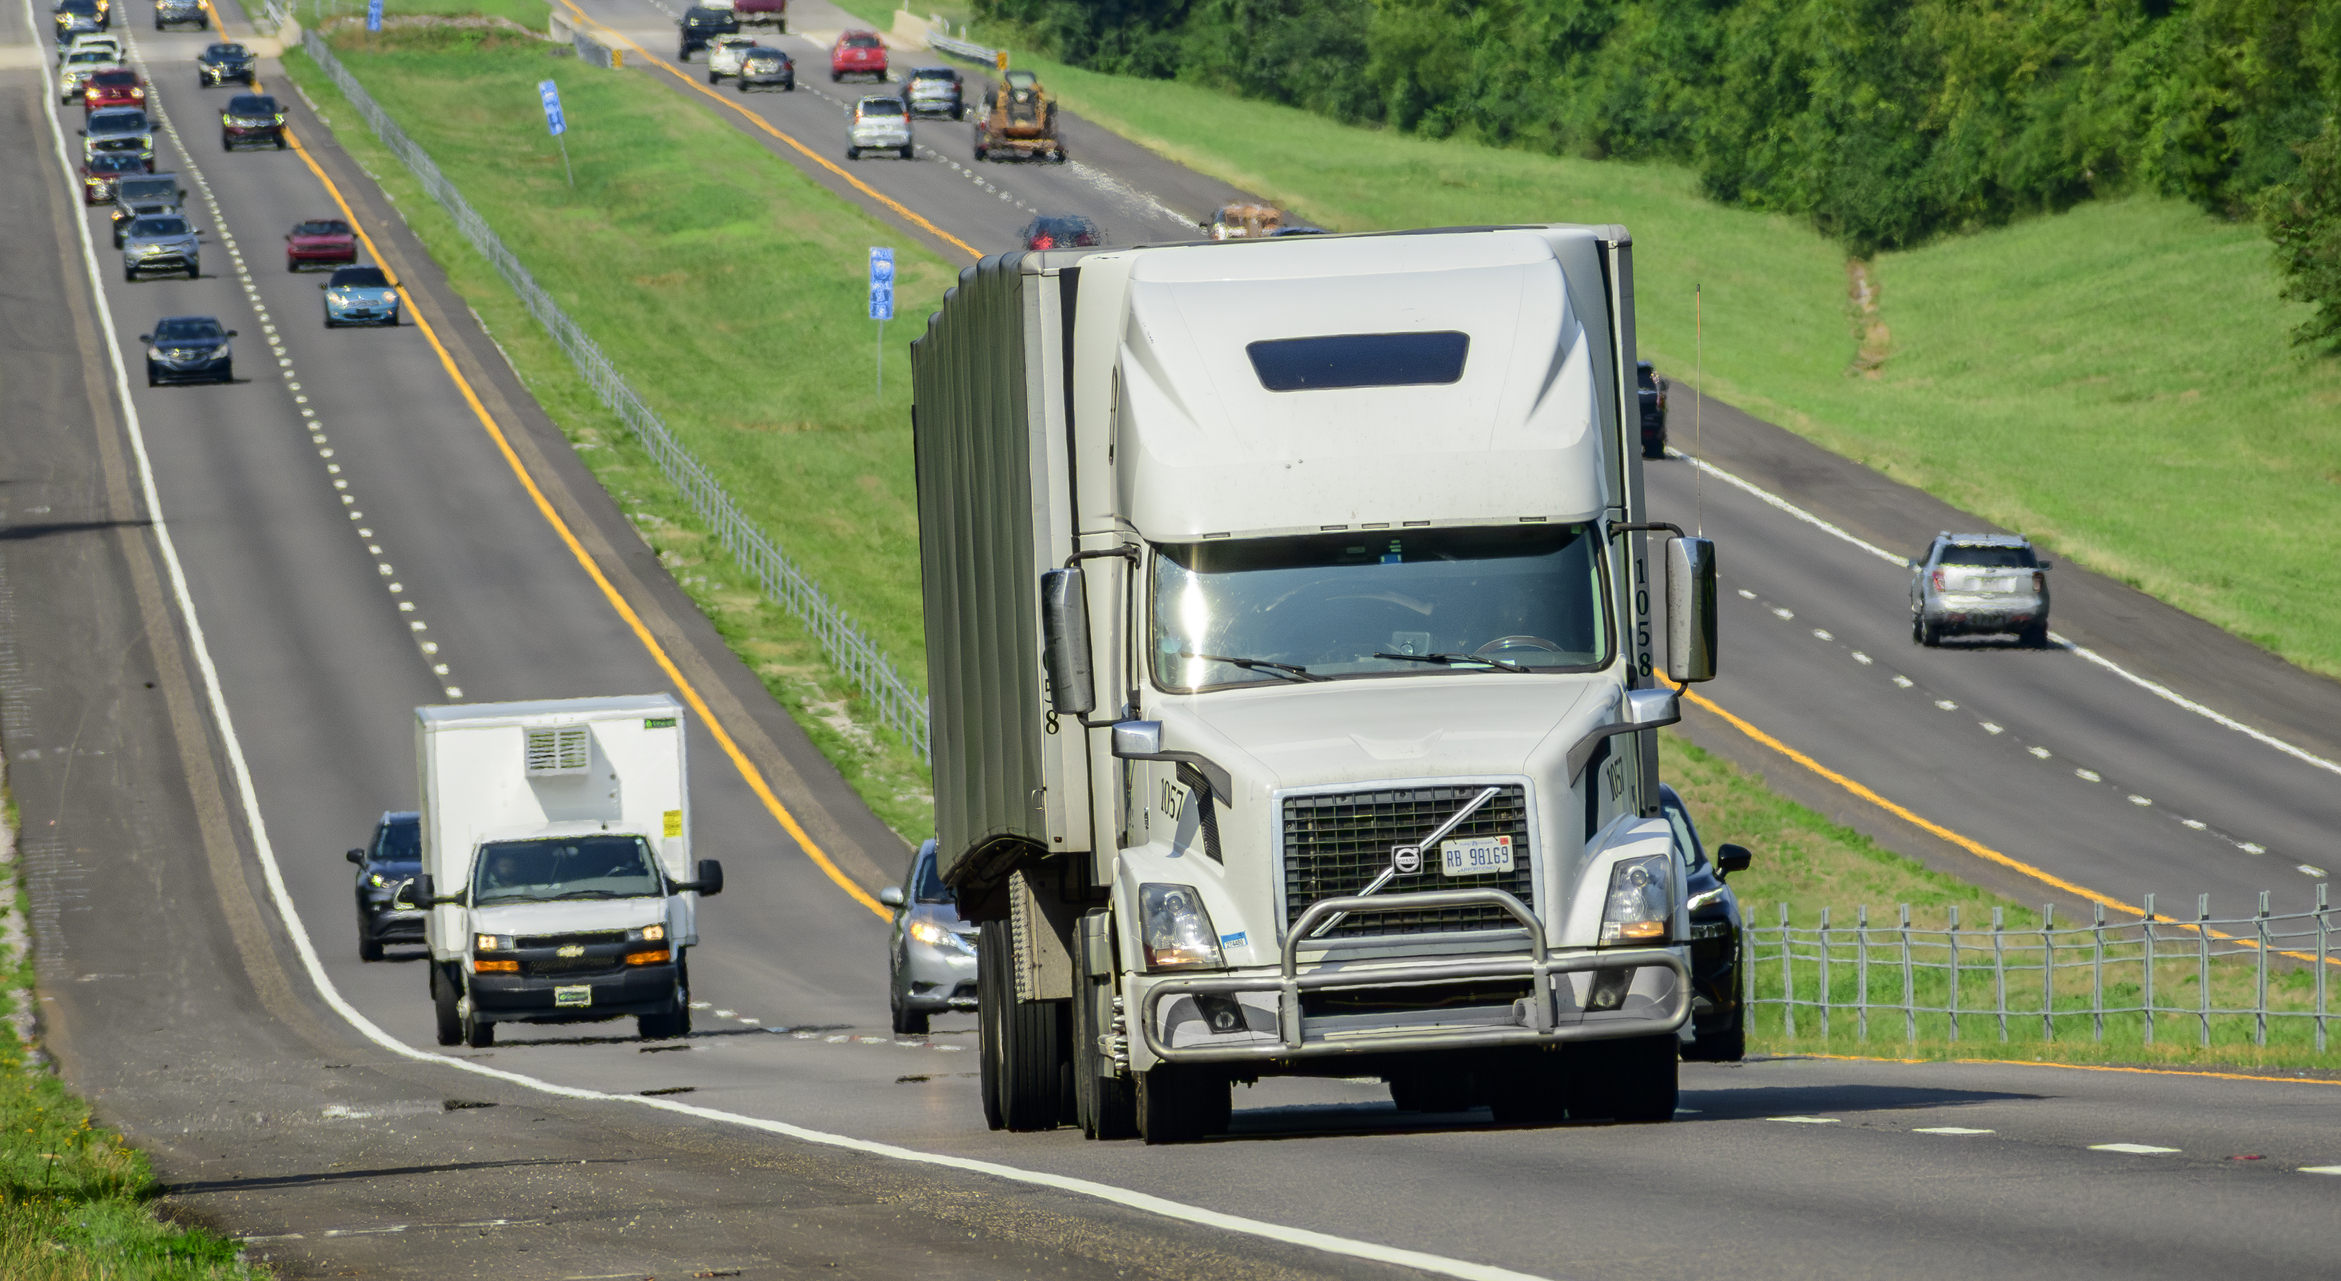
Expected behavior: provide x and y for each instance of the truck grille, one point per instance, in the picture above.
(1336, 843)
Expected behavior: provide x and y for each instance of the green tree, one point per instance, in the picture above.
(2303, 217)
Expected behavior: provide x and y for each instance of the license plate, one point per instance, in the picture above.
(1476, 856)
(582, 994)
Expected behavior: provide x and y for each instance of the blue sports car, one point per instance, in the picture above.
(359, 296)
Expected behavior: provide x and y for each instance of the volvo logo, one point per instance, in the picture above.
(574, 949)
(1406, 860)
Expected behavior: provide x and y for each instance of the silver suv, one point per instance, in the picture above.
(165, 242)
(1979, 584)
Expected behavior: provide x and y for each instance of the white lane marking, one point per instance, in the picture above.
(2135, 1149)
(2308, 870)
(2250, 847)
(2155, 688)
(2194, 823)
(2043, 753)
(1903, 681)
(1822, 635)
(1782, 612)
(1946, 704)
(2089, 774)
(1804, 1120)
(2136, 799)
(2320, 1169)
(1990, 728)
(1745, 594)
(1861, 658)
(1949, 1129)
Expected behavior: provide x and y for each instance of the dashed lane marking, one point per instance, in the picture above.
(2133, 1149)
(1805, 1120)
(1949, 1129)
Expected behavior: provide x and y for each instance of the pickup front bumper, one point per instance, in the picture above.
(1582, 995)
(523, 998)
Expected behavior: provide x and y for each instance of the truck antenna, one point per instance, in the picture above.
(1699, 399)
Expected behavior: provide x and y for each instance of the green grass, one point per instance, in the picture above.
(1810, 863)
(532, 14)
(76, 1201)
(684, 203)
(2117, 380)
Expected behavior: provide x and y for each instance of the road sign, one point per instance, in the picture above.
(1000, 60)
(551, 94)
(373, 15)
(881, 283)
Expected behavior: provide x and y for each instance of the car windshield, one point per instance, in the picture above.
(251, 105)
(111, 123)
(134, 190)
(327, 227)
(398, 843)
(115, 164)
(1686, 837)
(159, 227)
(83, 57)
(581, 867)
(1646, 378)
(927, 884)
(219, 51)
(882, 107)
(1379, 604)
(1989, 557)
(944, 74)
(188, 329)
(359, 277)
(861, 42)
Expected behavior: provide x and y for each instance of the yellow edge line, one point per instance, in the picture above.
(544, 506)
(2078, 1067)
(766, 125)
(1977, 848)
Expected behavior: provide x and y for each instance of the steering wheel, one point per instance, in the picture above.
(1506, 644)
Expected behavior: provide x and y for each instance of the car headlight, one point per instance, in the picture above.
(647, 934)
(1177, 929)
(1640, 905)
(491, 942)
(377, 881)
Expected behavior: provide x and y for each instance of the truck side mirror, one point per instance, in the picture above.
(1732, 858)
(710, 882)
(1064, 629)
(356, 856)
(891, 896)
(1690, 610)
(424, 893)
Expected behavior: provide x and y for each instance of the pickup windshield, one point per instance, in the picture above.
(1506, 598)
(575, 867)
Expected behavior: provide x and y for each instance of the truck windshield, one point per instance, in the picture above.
(565, 868)
(1381, 603)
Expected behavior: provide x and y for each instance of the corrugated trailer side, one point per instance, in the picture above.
(972, 440)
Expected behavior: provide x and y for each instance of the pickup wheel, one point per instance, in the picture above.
(908, 153)
(2034, 636)
(369, 947)
(853, 153)
(478, 1033)
(1929, 634)
(1631, 1080)
(713, 78)
(1181, 1105)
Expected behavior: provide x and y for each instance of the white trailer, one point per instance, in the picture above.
(1289, 638)
(557, 864)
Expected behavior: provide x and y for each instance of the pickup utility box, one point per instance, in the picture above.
(556, 854)
(1290, 644)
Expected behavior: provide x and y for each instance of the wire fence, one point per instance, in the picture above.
(901, 706)
(2259, 977)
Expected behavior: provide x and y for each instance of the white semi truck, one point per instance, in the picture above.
(557, 864)
(1289, 634)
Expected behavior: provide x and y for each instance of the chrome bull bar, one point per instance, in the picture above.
(1540, 968)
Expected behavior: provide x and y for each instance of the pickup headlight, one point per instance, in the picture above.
(1178, 930)
(491, 942)
(1640, 905)
(647, 934)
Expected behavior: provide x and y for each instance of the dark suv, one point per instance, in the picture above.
(1653, 398)
(1716, 1016)
(251, 120)
(702, 25)
(386, 872)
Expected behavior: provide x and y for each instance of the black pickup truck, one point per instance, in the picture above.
(702, 25)
(1653, 398)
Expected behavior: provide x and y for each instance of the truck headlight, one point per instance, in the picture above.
(1640, 905)
(1178, 930)
(491, 942)
(647, 934)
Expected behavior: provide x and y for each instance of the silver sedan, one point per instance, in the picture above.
(930, 963)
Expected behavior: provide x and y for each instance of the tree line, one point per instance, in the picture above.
(1886, 122)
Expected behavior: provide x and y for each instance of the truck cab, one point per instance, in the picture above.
(557, 872)
(1333, 704)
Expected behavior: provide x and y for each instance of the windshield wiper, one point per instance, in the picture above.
(1450, 660)
(1286, 670)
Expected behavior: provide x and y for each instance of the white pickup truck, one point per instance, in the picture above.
(556, 864)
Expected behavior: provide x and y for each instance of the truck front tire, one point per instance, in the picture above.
(443, 999)
(1181, 1105)
(1631, 1080)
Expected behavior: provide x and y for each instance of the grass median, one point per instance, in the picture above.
(2117, 380)
(728, 289)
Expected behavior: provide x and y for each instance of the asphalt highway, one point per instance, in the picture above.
(348, 475)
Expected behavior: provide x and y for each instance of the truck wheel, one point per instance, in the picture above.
(1724, 1045)
(1105, 1107)
(2034, 636)
(1431, 1091)
(853, 153)
(1182, 1105)
(478, 1033)
(443, 999)
(1631, 1080)
(1531, 1088)
(907, 152)
(713, 78)
(991, 963)
(1929, 634)
(1023, 1055)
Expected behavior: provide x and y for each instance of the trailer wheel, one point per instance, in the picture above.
(1631, 1080)
(1181, 1105)
(443, 999)
(1023, 1056)
(1105, 1107)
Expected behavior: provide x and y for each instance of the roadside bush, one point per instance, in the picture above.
(2303, 217)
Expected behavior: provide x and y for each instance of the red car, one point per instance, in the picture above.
(124, 88)
(320, 242)
(102, 171)
(858, 53)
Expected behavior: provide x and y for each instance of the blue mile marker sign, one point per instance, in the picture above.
(551, 93)
(881, 283)
(373, 15)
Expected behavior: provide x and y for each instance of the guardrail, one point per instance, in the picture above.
(2151, 973)
(901, 706)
